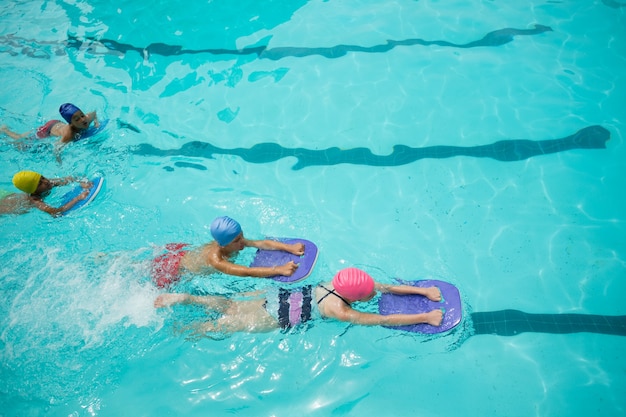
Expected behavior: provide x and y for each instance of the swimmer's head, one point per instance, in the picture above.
(67, 110)
(224, 230)
(353, 284)
(27, 181)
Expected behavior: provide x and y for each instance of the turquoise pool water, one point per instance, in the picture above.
(476, 142)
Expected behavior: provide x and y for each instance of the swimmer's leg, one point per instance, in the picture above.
(4, 129)
(96, 257)
(219, 304)
(167, 300)
(244, 316)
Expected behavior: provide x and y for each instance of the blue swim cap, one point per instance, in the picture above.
(224, 230)
(67, 110)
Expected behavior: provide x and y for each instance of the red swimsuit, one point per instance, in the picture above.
(165, 268)
(44, 131)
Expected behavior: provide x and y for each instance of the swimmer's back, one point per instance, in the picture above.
(59, 129)
(196, 261)
(13, 203)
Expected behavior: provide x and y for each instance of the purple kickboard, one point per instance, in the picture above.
(412, 304)
(305, 262)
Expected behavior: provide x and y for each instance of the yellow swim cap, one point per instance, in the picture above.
(26, 181)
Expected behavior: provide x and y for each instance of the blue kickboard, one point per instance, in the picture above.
(93, 192)
(92, 130)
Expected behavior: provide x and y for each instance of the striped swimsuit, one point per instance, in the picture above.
(293, 306)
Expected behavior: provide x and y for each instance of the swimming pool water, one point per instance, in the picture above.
(479, 143)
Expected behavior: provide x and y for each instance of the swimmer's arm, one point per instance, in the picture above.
(83, 182)
(63, 181)
(371, 319)
(400, 289)
(431, 292)
(230, 268)
(268, 244)
(66, 138)
(258, 272)
(58, 148)
(54, 211)
(93, 117)
(61, 144)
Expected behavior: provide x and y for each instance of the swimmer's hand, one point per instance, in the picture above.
(433, 293)
(94, 118)
(297, 249)
(83, 195)
(86, 184)
(286, 270)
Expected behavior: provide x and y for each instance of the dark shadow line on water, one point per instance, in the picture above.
(614, 4)
(492, 39)
(103, 46)
(591, 137)
(514, 322)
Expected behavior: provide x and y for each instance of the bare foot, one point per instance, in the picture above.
(434, 317)
(166, 300)
(433, 293)
(96, 257)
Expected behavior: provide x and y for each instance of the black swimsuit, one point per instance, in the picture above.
(328, 292)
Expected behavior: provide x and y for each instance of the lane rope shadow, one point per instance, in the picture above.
(15, 45)
(591, 137)
(514, 322)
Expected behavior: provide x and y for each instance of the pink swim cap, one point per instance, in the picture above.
(353, 283)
